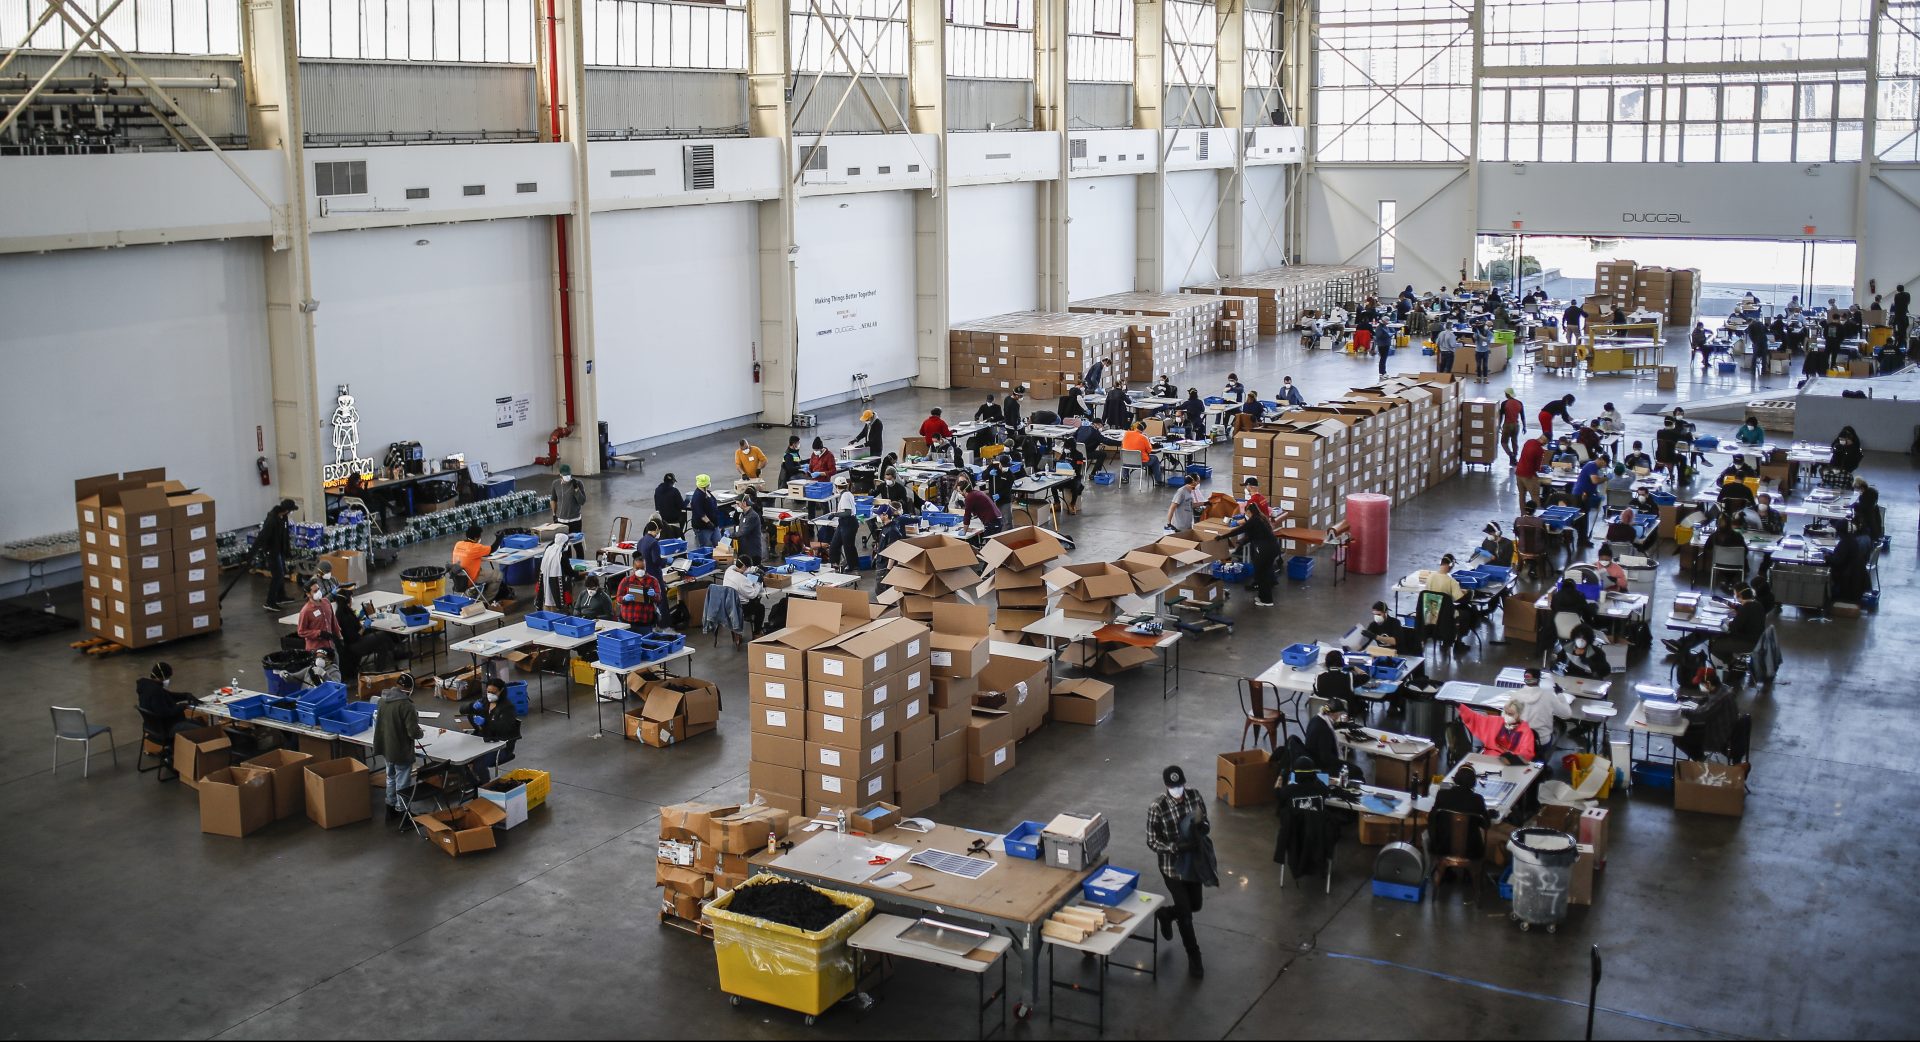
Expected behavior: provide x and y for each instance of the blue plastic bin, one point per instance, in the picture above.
(451, 604)
(819, 490)
(543, 620)
(499, 488)
(699, 568)
(319, 701)
(251, 707)
(1024, 840)
(1200, 470)
(672, 547)
(570, 626)
(1653, 775)
(1103, 478)
(1102, 895)
(1299, 568)
(520, 542)
(285, 710)
(1299, 656)
(804, 563)
(517, 694)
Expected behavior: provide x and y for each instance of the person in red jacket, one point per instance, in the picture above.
(821, 464)
(1502, 734)
(978, 504)
(1513, 423)
(935, 431)
(1526, 468)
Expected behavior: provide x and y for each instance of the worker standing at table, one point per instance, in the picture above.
(1255, 502)
(1177, 830)
(1482, 349)
(1382, 343)
(1570, 322)
(975, 503)
(1193, 414)
(396, 727)
(1192, 498)
(1558, 407)
(1513, 423)
(1263, 555)
(1071, 405)
(935, 432)
(821, 465)
(872, 436)
(1234, 390)
(317, 626)
(1526, 469)
(750, 534)
(792, 463)
(1095, 373)
(703, 510)
(1901, 315)
(1443, 347)
(569, 499)
(748, 460)
(670, 504)
(1010, 409)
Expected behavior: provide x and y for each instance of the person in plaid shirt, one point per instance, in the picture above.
(1176, 825)
(637, 602)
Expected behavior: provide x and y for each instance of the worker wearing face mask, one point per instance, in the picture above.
(317, 626)
(1177, 830)
(554, 571)
(1582, 657)
(495, 718)
(1383, 629)
(1540, 705)
(1500, 734)
(165, 710)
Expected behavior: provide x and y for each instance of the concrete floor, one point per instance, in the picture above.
(125, 920)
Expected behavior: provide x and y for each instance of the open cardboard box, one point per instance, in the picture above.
(931, 553)
(235, 801)
(465, 829)
(678, 708)
(1020, 549)
(1082, 700)
(959, 639)
(337, 791)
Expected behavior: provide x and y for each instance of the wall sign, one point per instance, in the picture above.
(346, 442)
(1653, 218)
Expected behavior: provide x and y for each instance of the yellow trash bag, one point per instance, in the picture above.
(1579, 765)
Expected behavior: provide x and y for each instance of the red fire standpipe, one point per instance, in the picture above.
(560, 244)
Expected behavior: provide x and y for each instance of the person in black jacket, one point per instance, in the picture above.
(1459, 796)
(1568, 598)
(1070, 404)
(1115, 411)
(1307, 831)
(1193, 413)
(792, 463)
(1321, 743)
(1010, 411)
(270, 548)
(1263, 554)
(671, 505)
(165, 709)
(498, 721)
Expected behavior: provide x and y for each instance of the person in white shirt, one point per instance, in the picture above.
(1189, 496)
(554, 573)
(1540, 705)
(743, 578)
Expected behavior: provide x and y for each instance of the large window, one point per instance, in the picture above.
(1192, 36)
(990, 39)
(1262, 42)
(1897, 118)
(498, 31)
(145, 26)
(1389, 216)
(1394, 80)
(841, 36)
(657, 34)
(1617, 32)
(1100, 41)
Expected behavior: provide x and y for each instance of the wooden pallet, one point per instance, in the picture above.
(693, 926)
(96, 646)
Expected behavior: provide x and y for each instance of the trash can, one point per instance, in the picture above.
(276, 665)
(1542, 876)
(781, 965)
(423, 584)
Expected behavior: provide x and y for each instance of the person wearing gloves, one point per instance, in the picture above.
(165, 709)
(670, 504)
(1235, 390)
(1190, 497)
(821, 465)
(396, 727)
(792, 464)
(1177, 830)
(554, 571)
(1581, 656)
(638, 598)
(703, 513)
(1495, 548)
(317, 626)
(871, 436)
(1613, 578)
(743, 578)
(750, 534)
(1383, 629)
(748, 460)
(593, 603)
(1500, 734)
(569, 499)
(1540, 705)
(323, 671)
(1290, 393)
(495, 719)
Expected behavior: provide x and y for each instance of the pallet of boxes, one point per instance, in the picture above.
(703, 849)
(150, 571)
(1174, 327)
(1041, 350)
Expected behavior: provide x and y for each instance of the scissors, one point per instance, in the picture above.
(878, 860)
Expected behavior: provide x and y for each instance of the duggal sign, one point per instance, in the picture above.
(1653, 218)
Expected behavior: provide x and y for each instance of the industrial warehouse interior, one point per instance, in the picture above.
(1046, 518)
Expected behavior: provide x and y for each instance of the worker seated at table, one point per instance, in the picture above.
(1383, 629)
(593, 602)
(1459, 796)
(1568, 598)
(1613, 578)
(1581, 656)
(1234, 390)
(889, 526)
(324, 669)
(1540, 705)
(1495, 548)
(468, 555)
(1335, 682)
(1726, 533)
(1165, 388)
(1763, 517)
(1637, 459)
(358, 645)
(1503, 734)
(1072, 403)
(165, 708)
(1586, 439)
(1744, 629)
(1750, 433)
(1441, 580)
(1193, 414)
(744, 579)
(1624, 531)
(496, 720)
(1564, 453)
(1136, 440)
(1321, 744)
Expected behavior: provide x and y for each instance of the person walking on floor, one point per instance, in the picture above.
(270, 548)
(554, 572)
(396, 728)
(1177, 831)
(1513, 423)
(1444, 345)
(569, 497)
(1383, 344)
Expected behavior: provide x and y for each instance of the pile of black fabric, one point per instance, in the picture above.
(789, 904)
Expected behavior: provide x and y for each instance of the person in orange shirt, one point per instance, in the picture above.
(468, 555)
(748, 459)
(1136, 440)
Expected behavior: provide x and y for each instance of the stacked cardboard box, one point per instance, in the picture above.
(1479, 431)
(1683, 296)
(927, 570)
(1190, 325)
(704, 848)
(671, 709)
(1088, 591)
(1283, 294)
(777, 695)
(1652, 286)
(960, 655)
(1044, 350)
(149, 568)
(1613, 279)
(1239, 325)
(1015, 574)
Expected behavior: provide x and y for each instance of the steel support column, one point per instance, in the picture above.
(776, 352)
(1149, 113)
(1869, 155)
(1050, 114)
(1470, 267)
(271, 60)
(927, 114)
(1296, 59)
(1229, 96)
(560, 79)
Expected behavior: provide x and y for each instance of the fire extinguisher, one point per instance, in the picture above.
(260, 464)
(756, 372)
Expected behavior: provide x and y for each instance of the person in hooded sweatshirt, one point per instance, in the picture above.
(396, 727)
(553, 573)
(1540, 705)
(166, 708)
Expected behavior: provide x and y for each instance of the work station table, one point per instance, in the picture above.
(623, 672)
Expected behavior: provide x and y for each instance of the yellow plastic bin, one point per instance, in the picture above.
(539, 783)
(781, 965)
(426, 584)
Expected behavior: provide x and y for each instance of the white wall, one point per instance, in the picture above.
(429, 336)
(1190, 228)
(1341, 208)
(1100, 239)
(674, 287)
(993, 252)
(1263, 218)
(1691, 200)
(854, 292)
(148, 356)
(1891, 259)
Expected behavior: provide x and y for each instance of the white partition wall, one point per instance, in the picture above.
(853, 292)
(433, 326)
(1101, 236)
(669, 321)
(993, 259)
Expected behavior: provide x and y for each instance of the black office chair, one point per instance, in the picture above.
(156, 740)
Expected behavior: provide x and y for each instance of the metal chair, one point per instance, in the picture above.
(70, 725)
(1132, 460)
(1463, 832)
(1728, 559)
(156, 740)
(1258, 717)
(1530, 547)
(1619, 498)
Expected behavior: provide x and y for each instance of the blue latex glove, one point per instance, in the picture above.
(479, 721)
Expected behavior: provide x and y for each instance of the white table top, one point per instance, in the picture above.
(468, 621)
(512, 556)
(1287, 678)
(1579, 687)
(488, 645)
(1142, 904)
(1059, 626)
(1403, 805)
(1466, 692)
(810, 587)
(1388, 745)
(1050, 430)
(378, 599)
(393, 623)
(437, 743)
(1032, 485)
(882, 934)
(1522, 776)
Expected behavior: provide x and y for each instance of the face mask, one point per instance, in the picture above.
(1377, 617)
(492, 698)
(1512, 721)
(1177, 791)
(318, 596)
(1581, 644)
(166, 682)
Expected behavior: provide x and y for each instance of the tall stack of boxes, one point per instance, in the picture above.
(1683, 296)
(1015, 574)
(1613, 282)
(1186, 325)
(150, 569)
(704, 848)
(1043, 350)
(777, 697)
(1479, 431)
(960, 655)
(1652, 287)
(1282, 295)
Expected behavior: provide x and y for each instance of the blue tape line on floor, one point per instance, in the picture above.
(1484, 985)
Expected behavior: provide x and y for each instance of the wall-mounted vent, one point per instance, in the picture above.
(816, 160)
(999, 155)
(853, 171)
(527, 187)
(1202, 153)
(1139, 157)
(1248, 138)
(417, 193)
(1102, 159)
(340, 178)
(883, 170)
(913, 168)
(647, 172)
(474, 190)
(696, 162)
(1076, 148)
